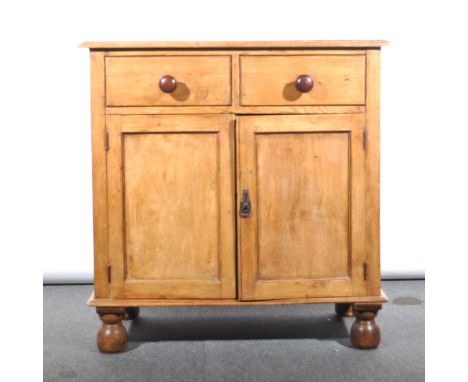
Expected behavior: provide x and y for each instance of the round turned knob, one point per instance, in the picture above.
(304, 83)
(167, 84)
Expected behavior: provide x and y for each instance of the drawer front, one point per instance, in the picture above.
(201, 81)
(271, 80)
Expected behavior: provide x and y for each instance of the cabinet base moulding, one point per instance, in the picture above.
(146, 302)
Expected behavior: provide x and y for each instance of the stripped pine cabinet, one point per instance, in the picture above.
(235, 174)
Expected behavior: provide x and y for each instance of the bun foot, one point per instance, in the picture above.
(365, 334)
(344, 310)
(112, 337)
(131, 313)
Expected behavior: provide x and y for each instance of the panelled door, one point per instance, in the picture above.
(301, 193)
(171, 206)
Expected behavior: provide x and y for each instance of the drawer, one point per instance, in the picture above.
(200, 80)
(271, 80)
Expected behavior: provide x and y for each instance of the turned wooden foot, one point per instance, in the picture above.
(365, 334)
(112, 337)
(344, 310)
(131, 313)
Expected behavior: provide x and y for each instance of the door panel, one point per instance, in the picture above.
(171, 214)
(290, 203)
(156, 202)
(305, 234)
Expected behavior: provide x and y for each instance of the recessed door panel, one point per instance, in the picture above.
(303, 205)
(168, 193)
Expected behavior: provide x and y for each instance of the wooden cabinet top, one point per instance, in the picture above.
(235, 44)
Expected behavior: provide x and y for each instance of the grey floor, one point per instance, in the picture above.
(285, 343)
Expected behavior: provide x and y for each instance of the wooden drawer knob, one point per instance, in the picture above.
(167, 84)
(304, 83)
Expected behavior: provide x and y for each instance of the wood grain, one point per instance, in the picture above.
(238, 193)
(171, 217)
(115, 210)
(157, 141)
(235, 79)
(229, 52)
(270, 80)
(235, 109)
(112, 337)
(148, 302)
(373, 170)
(302, 205)
(170, 165)
(201, 80)
(300, 240)
(365, 333)
(234, 44)
(98, 124)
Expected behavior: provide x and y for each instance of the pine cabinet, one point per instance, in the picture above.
(234, 174)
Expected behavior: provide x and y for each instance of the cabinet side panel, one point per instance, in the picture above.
(98, 123)
(373, 170)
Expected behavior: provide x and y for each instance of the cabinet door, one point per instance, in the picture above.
(171, 206)
(305, 233)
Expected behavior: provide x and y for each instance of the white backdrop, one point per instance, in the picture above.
(46, 153)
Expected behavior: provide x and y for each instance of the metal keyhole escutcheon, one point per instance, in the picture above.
(245, 205)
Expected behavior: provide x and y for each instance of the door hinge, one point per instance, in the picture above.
(365, 270)
(109, 274)
(365, 138)
(106, 140)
